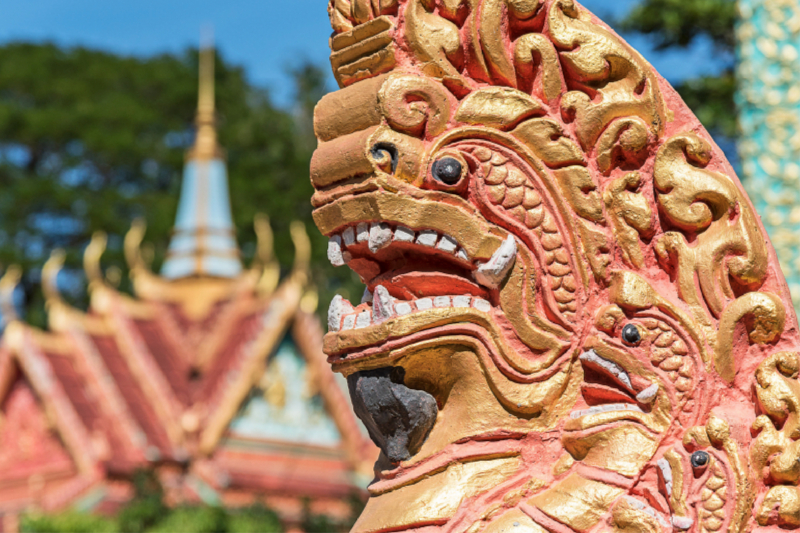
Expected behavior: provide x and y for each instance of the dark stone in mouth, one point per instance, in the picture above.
(397, 417)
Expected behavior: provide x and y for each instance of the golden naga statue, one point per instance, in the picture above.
(574, 319)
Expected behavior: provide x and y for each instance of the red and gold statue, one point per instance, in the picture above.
(574, 320)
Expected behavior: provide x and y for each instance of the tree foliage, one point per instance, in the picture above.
(678, 24)
(89, 140)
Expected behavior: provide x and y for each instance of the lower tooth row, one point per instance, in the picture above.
(365, 318)
(605, 408)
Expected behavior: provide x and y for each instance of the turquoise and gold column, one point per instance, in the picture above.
(768, 98)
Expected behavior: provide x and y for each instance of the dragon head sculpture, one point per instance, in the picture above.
(573, 317)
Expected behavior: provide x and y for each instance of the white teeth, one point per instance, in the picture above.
(380, 236)
(447, 244)
(425, 303)
(349, 237)
(461, 301)
(648, 394)
(363, 319)
(403, 234)
(682, 522)
(335, 254)
(338, 308)
(612, 367)
(666, 473)
(606, 408)
(427, 237)
(362, 232)
(482, 305)
(366, 297)
(441, 301)
(492, 273)
(382, 305)
(385, 307)
(461, 254)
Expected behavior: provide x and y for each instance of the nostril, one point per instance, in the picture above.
(384, 153)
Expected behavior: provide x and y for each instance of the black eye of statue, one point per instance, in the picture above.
(447, 170)
(630, 334)
(699, 459)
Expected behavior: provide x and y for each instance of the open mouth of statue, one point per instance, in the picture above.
(410, 272)
(611, 394)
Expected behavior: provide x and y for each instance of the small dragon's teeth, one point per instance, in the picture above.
(380, 236)
(382, 305)
(335, 254)
(648, 394)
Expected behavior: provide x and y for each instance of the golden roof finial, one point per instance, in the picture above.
(91, 259)
(205, 143)
(50, 277)
(8, 283)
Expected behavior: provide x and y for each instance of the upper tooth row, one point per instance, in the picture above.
(378, 235)
(342, 316)
(604, 408)
(612, 367)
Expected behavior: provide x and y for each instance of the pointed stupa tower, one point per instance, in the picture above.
(204, 239)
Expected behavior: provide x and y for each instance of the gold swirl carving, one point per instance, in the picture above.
(631, 216)
(415, 105)
(535, 48)
(766, 316)
(775, 453)
(345, 14)
(616, 81)
(708, 207)
(435, 41)
(498, 107)
(494, 36)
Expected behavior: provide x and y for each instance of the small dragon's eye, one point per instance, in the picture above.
(631, 335)
(447, 170)
(699, 459)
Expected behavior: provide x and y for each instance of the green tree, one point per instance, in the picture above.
(90, 140)
(676, 24)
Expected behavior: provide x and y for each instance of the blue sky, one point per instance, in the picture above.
(265, 36)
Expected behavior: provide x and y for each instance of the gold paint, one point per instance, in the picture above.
(631, 216)
(766, 320)
(349, 110)
(535, 47)
(205, 145)
(514, 521)
(577, 502)
(435, 498)
(364, 51)
(729, 243)
(678, 498)
(265, 255)
(477, 237)
(414, 105)
(545, 138)
(628, 519)
(579, 189)
(492, 38)
(434, 41)
(596, 58)
(498, 107)
(624, 449)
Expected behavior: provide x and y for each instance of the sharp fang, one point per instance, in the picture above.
(492, 273)
(382, 305)
(366, 297)
(380, 236)
(339, 307)
(335, 254)
(648, 394)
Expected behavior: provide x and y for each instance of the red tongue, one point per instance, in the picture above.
(414, 285)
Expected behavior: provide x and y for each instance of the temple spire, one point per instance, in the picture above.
(203, 242)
